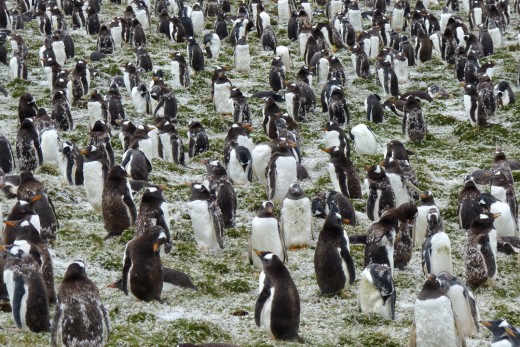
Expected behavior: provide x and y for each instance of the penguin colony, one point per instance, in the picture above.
(67, 176)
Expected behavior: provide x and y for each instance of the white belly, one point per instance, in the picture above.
(400, 191)
(434, 321)
(176, 75)
(197, 18)
(94, 113)
(94, 183)
(334, 177)
(146, 146)
(49, 146)
(202, 222)
(285, 176)
(261, 155)
(463, 311)
(421, 224)
(499, 193)
(242, 59)
(505, 224)
(265, 237)
(167, 147)
(441, 254)
(235, 171)
(296, 218)
(221, 97)
(265, 315)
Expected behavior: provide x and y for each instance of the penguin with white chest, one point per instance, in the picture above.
(71, 164)
(343, 173)
(335, 136)
(436, 249)
(277, 308)
(377, 292)
(118, 207)
(222, 189)
(154, 211)
(199, 141)
(381, 196)
(49, 143)
(80, 314)
(266, 234)
(424, 207)
(333, 263)
(374, 108)
(212, 45)
(380, 240)
(296, 217)
(206, 218)
(281, 172)
(221, 93)
(506, 224)
(505, 95)
(136, 164)
(95, 172)
(141, 99)
(365, 141)
(180, 71)
(242, 58)
(240, 166)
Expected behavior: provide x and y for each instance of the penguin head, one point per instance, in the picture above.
(431, 286)
(267, 207)
(268, 258)
(66, 147)
(199, 192)
(426, 196)
(334, 151)
(375, 172)
(295, 189)
(214, 167)
(75, 270)
(497, 326)
(486, 200)
(117, 173)
(499, 179)
(20, 249)
(483, 223)
(153, 195)
(433, 216)
(26, 176)
(334, 220)
(156, 236)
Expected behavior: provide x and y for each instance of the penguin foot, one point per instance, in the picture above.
(298, 247)
(345, 294)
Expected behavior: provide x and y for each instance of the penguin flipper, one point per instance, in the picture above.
(218, 223)
(129, 202)
(271, 186)
(162, 223)
(342, 179)
(347, 257)
(19, 292)
(70, 165)
(472, 303)
(489, 259)
(262, 299)
(127, 263)
(148, 165)
(54, 212)
(281, 234)
(426, 256)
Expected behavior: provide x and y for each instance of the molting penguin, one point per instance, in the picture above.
(27, 107)
(338, 109)
(212, 45)
(28, 150)
(154, 211)
(414, 124)
(61, 111)
(281, 172)
(277, 308)
(114, 103)
(206, 218)
(403, 245)
(142, 268)
(436, 249)
(381, 196)
(380, 239)
(277, 74)
(198, 139)
(222, 189)
(377, 292)
(241, 112)
(7, 163)
(397, 180)
(365, 142)
(71, 164)
(221, 92)
(343, 174)
(424, 208)
(105, 41)
(469, 207)
(131, 76)
(119, 212)
(99, 136)
(296, 217)
(266, 234)
(333, 263)
(80, 315)
(180, 71)
(195, 56)
(335, 136)
(435, 323)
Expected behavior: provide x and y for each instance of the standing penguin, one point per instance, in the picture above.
(381, 196)
(343, 174)
(206, 218)
(338, 109)
(335, 136)
(80, 315)
(28, 150)
(95, 172)
(61, 111)
(97, 108)
(469, 208)
(480, 250)
(506, 225)
(119, 212)
(49, 143)
(277, 308)
(136, 164)
(377, 292)
(99, 136)
(365, 142)
(424, 207)
(281, 172)
(242, 58)
(435, 323)
(105, 41)
(380, 240)
(333, 263)
(414, 124)
(474, 106)
(403, 245)
(7, 163)
(240, 166)
(195, 56)
(266, 234)
(220, 187)
(26, 290)
(296, 217)
(241, 112)
(142, 268)
(27, 107)
(505, 95)
(114, 104)
(374, 108)
(436, 249)
(503, 189)
(180, 71)
(131, 77)
(71, 164)
(198, 139)
(154, 211)
(221, 93)
(171, 142)
(212, 45)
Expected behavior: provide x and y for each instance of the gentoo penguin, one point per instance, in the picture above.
(61, 111)
(165, 103)
(142, 268)
(325, 202)
(423, 47)
(7, 163)
(212, 45)
(131, 76)
(360, 61)
(486, 93)
(195, 56)
(221, 26)
(469, 207)
(27, 107)
(222, 189)
(97, 108)
(503, 333)
(242, 59)
(221, 91)
(380, 240)
(277, 74)
(365, 142)
(49, 143)
(95, 172)
(26, 290)
(71, 164)
(397, 180)
(141, 99)
(424, 208)
(261, 155)
(105, 41)
(241, 112)
(266, 234)
(505, 225)
(22, 210)
(206, 218)
(18, 66)
(505, 95)
(154, 211)
(277, 308)
(268, 38)
(171, 142)
(343, 174)
(503, 189)
(114, 103)
(143, 59)
(448, 46)
(99, 136)
(480, 250)
(119, 212)
(180, 71)
(474, 106)
(401, 67)
(338, 109)
(198, 138)
(79, 318)
(403, 245)
(373, 108)
(197, 18)
(333, 263)
(434, 309)
(377, 292)
(335, 136)
(28, 150)
(296, 217)
(381, 196)
(136, 164)
(436, 249)
(463, 301)
(281, 172)
(414, 124)
(143, 141)
(240, 166)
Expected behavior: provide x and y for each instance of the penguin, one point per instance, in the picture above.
(486, 93)
(142, 267)
(222, 90)
(242, 59)
(266, 234)
(206, 218)
(136, 164)
(137, 34)
(105, 41)
(153, 210)
(469, 208)
(197, 18)
(221, 188)
(277, 308)
(380, 240)
(365, 142)
(281, 172)
(296, 217)
(401, 68)
(495, 31)
(49, 143)
(167, 103)
(335, 136)
(198, 139)
(425, 206)
(143, 59)
(116, 31)
(241, 111)
(114, 104)
(406, 47)
(61, 111)
(10, 184)
(377, 292)
(434, 309)
(480, 250)
(502, 332)
(505, 225)
(354, 17)
(463, 301)
(502, 189)
(403, 245)
(381, 196)
(333, 263)
(7, 163)
(3, 49)
(79, 318)
(141, 99)
(212, 45)
(436, 249)
(195, 56)
(373, 108)
(414, 124)
(397, 180)
(325, 202)
(504, 93)
(261, 155)
(119, 212)
(18, 67)
(131, 76)
(71, 164)
(343, 174)
(180, 71)
(338, 109)
(221, 26)
(448, 46)
(284, 11)
(26, 290)
(240, 165)
(99, 136)
(28, 150)
(398, 21)
(474, 106)
(502, 164)
(23, 210)
(27, 107)
(97, 108)
(268, 38)
(294, 102)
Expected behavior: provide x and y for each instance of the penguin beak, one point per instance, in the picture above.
(485, 323)
(327, 150)
(367, 168)
(346, 221)
(36, 198)
(204, 161)
(83, 152)
(3, 248)
(156, 245)
(495, 215)
(258, 253)
(430, 277)
(113, 285)
(382, 163)
(163, 187)
(510, 332)
(9, 223)
(423, 195)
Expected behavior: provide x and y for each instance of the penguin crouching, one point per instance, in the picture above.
(377, 292)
